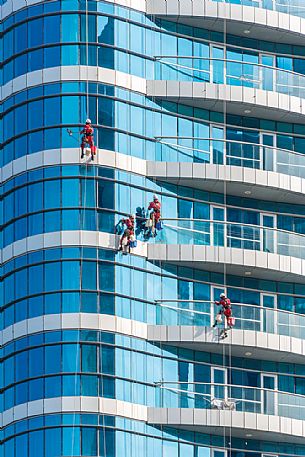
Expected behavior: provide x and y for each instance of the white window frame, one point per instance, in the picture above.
(275, 377)
(273, 135)
(213, 299)
(262, 215)
(212, 139)
(225, 370)
(224, 451)
(212, 46)
(212, 207)
(265, 54)
(262, 295)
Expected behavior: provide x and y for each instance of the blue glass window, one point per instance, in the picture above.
(53, 440)
(89, 441)
(89, 358)
(51, 29)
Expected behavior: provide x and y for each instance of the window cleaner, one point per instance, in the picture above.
(87, 139)
(226, 310)
(128, 239)
(155, 215)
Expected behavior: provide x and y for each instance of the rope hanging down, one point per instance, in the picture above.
(83, 197)
(227, 366)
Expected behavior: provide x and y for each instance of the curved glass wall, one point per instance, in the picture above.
(46, 36)
(91, 363)
(37, 119)
(63, 198)
(106, 435)
(48, 282)
(67, 281)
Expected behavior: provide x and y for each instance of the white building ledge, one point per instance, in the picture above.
(261, 23)
(260, 426)
(262, 345)
(67, 238)
(260, 103)
(260, 264)
(209, 177)
(77, 404)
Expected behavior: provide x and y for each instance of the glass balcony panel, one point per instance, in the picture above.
(217, 70)
(242, 236)
(265, 400)
(247, 317)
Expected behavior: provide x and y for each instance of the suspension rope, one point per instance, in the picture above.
(83, 196)
(226, 366)
(96, 213)
(158, 263)
(229, 369)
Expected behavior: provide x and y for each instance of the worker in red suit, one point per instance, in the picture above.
(226, 310)
(155, 214)
(87, 138)
(128, 232)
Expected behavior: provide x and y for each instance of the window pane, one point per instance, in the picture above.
(89, 441)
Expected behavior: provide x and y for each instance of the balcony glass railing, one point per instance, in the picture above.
(230, 397)
(294, 7)
(229, 152)
(247, 317)
(232, 235)
(231, 72)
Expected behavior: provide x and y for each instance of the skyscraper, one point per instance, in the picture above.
(114, 354)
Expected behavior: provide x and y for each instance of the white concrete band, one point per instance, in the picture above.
(67, 238)
(260, 103)
(68, 156)
(262, 426)
(260, 23)
(209, 177)
(263, 345)
(81, 321)
(12, 6)
(79, 404)
(262, 264)
(73, 73)
(268, 427)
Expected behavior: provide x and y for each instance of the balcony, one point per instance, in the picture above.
(241, 73)
(247, 168)
(260, 413)
(269, 20)
(293, 7)
(259, 332)
(261, 251)
(249, 89)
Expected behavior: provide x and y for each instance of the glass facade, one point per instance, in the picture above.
(50, 358)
